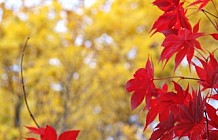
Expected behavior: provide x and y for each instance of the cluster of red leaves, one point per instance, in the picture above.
(49, 133)
(181, 112)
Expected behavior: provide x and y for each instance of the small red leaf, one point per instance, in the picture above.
(136, 99)
(208, 73)
(69, 135)
(165, 87)
(215, 97)
(50, 133)
(196, 27)
(31, 139)
(177, 87)
(39, 131)
(202, 3)
(215, 36)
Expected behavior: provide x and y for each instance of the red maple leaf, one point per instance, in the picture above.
(213, 135)
(142, 85)
(182, 45)
(162, 130)
(171, 21)
(69, 135)
(208, 73)
(180, 97)
(49, 133)
(167, 103)
(156, 108)
(211, 111)
(191, 121)
(166, 5)
(170, 101)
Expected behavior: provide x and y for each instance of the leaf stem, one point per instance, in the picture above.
(22, 82)
(201, 54)
(205, 113)
(216, 90)
(180, 77)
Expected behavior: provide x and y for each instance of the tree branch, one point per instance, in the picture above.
(22, 82)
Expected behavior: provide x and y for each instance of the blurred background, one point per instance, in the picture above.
(80, 55)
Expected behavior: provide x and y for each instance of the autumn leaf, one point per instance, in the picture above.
(215, 36)
(142, 85)
(215, 96)
(39, 131)
(49, 133)
(182, 45)
(211, 111)
(152, 112)
(162, 130)
(170, 101)
(166, 5)
(69, 135)
(171, 21)
(208, 73)
(166, 103)
(191, 120)
(180, 97)
(213, 135)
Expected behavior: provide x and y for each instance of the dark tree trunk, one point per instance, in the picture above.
(17, 111)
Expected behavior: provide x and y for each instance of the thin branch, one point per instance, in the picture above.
(209, 13)
(214, 5)
(22, 82)
(209, 19)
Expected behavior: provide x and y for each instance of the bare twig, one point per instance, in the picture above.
(209, 13)
(214, 5)
(205, 13)
(22, 82)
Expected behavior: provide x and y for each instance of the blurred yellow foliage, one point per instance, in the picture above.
(76, 66)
